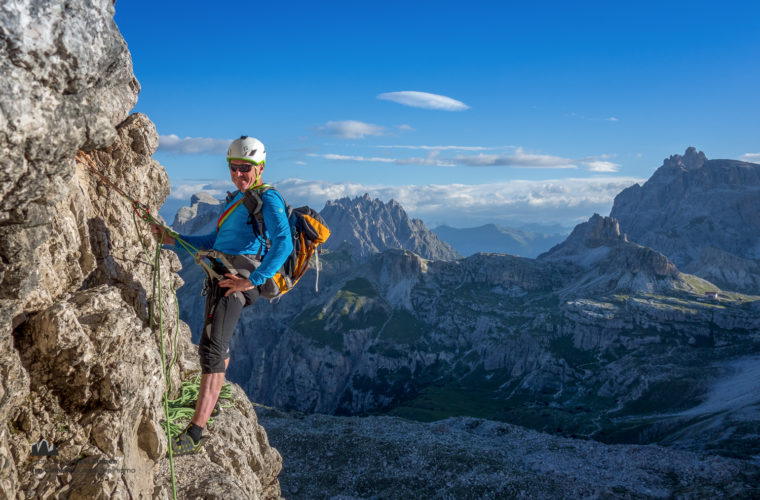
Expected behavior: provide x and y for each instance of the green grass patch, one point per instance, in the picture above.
(360, 286)
(665, 396)
(403, 328)
(564, 348)
(386, 350)
(438, 403)
(311, 323)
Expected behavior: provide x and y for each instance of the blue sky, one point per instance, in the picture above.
(550, 109)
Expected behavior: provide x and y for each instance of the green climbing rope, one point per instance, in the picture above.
(181, 408)
(165, 370)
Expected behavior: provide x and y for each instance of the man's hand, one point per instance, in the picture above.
(235, 284)
(157, 230)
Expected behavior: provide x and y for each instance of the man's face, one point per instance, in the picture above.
(244, 180)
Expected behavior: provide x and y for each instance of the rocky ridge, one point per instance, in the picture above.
(462, 457)
(600, 337)
(581, 341)
(695, 210)
(81, 366)
(363, 226)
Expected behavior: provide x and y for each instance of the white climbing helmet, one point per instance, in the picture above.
(247, 149)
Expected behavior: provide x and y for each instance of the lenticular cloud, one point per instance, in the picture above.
(424, 100)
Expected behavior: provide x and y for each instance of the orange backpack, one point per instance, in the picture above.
(308, 231)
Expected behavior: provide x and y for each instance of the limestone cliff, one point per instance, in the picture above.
(80, 364)
(362, 226)
(612, 263)
(702, 214)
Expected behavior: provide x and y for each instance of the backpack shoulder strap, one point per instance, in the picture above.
(254, 201)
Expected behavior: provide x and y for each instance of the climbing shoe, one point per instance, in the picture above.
(184, 444)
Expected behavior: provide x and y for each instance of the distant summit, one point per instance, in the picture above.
(363, 226)
(492, 238)
(200, 217)
(703, 214)
(613, 262)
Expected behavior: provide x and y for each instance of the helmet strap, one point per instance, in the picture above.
(257, 180)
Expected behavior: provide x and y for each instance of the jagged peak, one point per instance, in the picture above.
(364, 226)
(597, 231)
(691, 160)
(203, 197)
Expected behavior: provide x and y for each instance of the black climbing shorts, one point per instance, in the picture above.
(222, 314)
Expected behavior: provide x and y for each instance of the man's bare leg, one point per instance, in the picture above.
(211, 385)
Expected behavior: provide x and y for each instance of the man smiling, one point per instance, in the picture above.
(254, 262)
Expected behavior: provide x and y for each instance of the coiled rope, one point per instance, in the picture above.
(183, 407)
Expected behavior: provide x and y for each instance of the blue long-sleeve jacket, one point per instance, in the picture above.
(236, 237)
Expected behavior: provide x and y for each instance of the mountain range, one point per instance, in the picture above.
(703, 214)
(599, 337)
(492, 238)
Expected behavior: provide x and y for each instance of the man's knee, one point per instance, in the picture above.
(212, 361)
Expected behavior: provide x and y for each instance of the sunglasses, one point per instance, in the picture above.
(243, 168)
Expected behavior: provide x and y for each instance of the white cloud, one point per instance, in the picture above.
(424, 100)
(192, 145)
(565, 201)
(437, 148)
(357, 158)
(751, 157)
(601, 166)
(431, 159)
(519, 159)
(185, 189)
(406, 128)
(583, 117)
(350, 129)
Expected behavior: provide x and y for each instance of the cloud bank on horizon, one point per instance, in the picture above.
(562, 201)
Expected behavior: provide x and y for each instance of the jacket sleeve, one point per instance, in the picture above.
(204, 241)
(278, 229)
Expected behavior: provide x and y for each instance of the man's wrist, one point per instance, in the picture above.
(256, 278)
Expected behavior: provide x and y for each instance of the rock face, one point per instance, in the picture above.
(702, 214)
(613, 262)
(364, 226)
(81, 366)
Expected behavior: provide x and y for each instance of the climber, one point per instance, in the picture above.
(254, 264)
